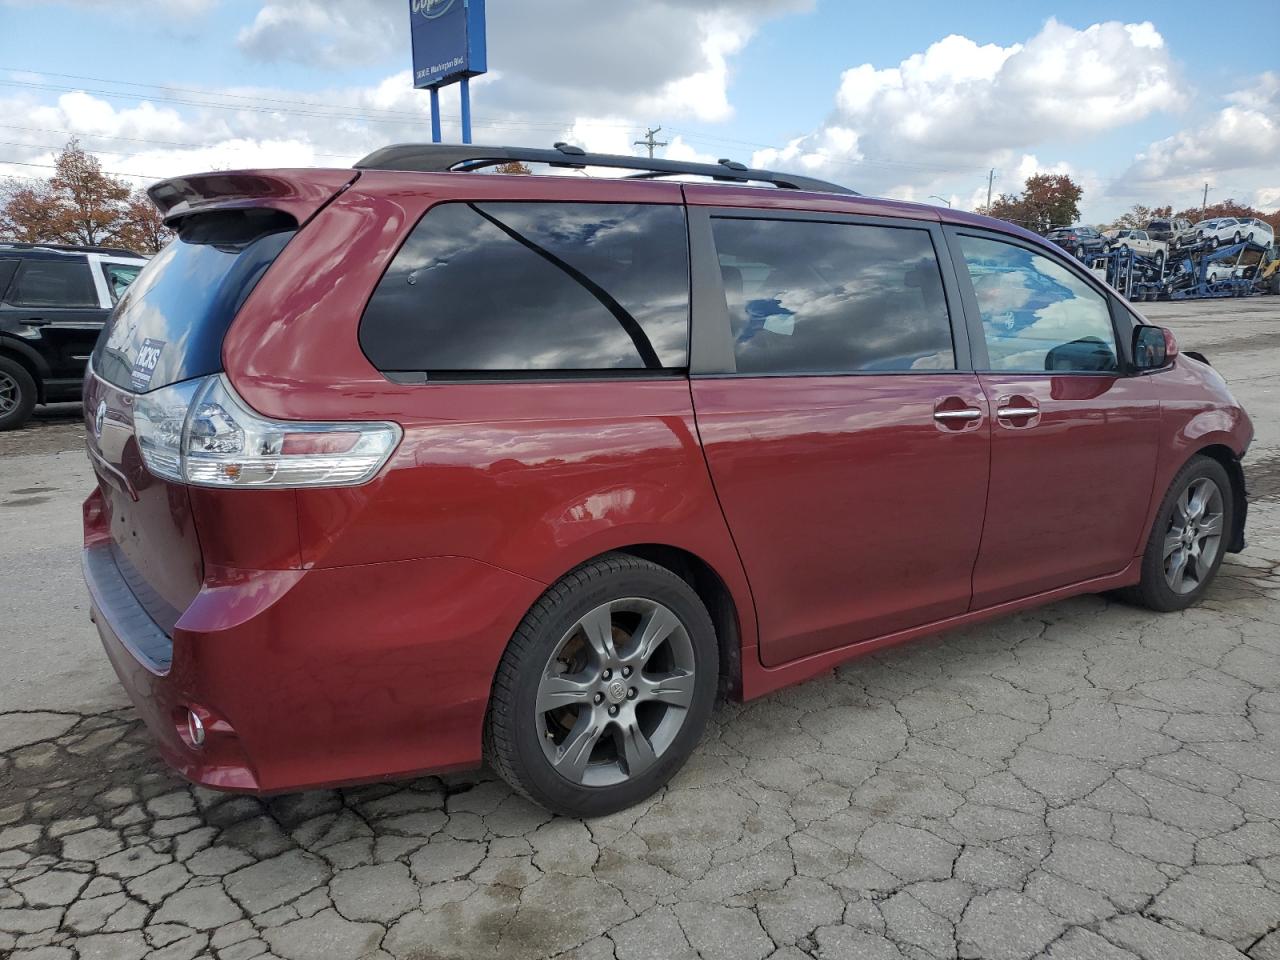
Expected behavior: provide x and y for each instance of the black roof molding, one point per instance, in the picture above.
(455, 158)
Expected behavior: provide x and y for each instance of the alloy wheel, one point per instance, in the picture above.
(10, 394)
(1194, 537)
(615, 692)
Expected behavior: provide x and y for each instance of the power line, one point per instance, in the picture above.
(50, 166)
(277, 105)
(102, 136)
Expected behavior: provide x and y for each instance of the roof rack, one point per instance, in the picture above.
(446, 158)
(66, 248)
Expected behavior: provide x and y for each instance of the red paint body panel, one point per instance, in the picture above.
(338, 635)
(1069, 487)
(856, 514)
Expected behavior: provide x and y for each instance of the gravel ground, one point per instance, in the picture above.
(1084, 781)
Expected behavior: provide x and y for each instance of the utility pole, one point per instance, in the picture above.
(1204, 202)
(649, 142)
(990, 179)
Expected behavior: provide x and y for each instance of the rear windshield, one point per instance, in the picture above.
(170, 321)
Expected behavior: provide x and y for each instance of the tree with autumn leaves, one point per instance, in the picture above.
(1047, 200)
(82, 205)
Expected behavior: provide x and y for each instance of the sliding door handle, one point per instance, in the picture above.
(969, 413)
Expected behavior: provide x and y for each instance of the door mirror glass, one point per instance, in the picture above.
(1153, 347)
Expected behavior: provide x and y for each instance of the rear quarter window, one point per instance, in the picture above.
(534, 289)
(171, 320)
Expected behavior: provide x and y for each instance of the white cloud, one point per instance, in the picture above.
(943, 115)
(173, 9)
(664, 58)
(1241, 139)
(605, 69)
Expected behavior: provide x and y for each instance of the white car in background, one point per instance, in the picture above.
(1226, 230)
(1138, 242)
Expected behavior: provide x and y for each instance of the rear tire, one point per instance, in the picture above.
(17, 394)
(1182, 556)
(605, 688)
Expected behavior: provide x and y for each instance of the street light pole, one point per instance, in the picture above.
(934, 196)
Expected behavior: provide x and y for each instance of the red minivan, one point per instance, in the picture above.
(409, 466)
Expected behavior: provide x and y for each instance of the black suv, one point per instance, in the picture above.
(53, 301)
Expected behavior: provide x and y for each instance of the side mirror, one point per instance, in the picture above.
(1153, 347)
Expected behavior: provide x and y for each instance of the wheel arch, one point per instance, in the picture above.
(715, 595)
(31, 361)
(1225, 456)
(729, 618)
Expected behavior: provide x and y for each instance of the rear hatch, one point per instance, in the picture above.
(168, 329)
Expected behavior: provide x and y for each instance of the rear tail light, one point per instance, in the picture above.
(201, 432)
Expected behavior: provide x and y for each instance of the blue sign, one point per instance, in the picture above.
(448, 40)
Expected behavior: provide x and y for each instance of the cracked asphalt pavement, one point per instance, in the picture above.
(1087, 781)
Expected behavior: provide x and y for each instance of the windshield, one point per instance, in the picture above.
(169, 324)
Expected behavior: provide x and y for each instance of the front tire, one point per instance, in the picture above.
(1189, 538)
(605, 688)
(17, 394)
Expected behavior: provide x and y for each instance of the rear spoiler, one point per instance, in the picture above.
(299, 193)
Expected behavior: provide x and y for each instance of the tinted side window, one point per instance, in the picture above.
(534, 287)
(7, 270)
(808, 297)
(53, 283)
(1036, 314)
(119, 276)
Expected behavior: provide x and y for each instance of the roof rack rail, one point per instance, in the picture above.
(446, 158)
(65, 247)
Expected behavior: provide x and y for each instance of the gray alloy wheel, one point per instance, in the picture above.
(1189, 538)
(1194, 536)
(9, 394)
(615, 692)
(605, 687)
(17, 394)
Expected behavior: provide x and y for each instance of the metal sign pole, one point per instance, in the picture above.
(448, 39)
(466, 109)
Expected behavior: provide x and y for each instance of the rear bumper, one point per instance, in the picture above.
(141, 653)
(321, 677)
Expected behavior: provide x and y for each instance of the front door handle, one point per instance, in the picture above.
(35, 321)
(956, 414)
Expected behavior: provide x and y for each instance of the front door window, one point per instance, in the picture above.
(1037, 315)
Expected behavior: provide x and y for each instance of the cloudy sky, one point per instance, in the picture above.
(902, 100)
